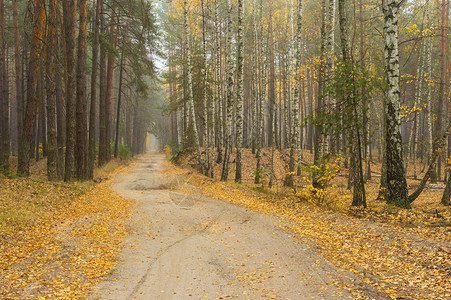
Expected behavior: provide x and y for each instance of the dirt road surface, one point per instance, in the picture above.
(185, 247)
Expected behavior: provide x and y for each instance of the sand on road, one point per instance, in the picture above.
(192, 247)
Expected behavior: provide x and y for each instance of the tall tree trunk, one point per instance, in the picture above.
(204, 93)
(43, 112)
(190, 86)
(70, 17)
(271, 87)
(289, 181)
(103, 116)
(229, 96)
(359, 198)
(320, 140)
(261, 96)
(81, 145)
(109, 104)
(18, 72)
(220, 119)
(443, 86)
(396, 181)
(5, 134)
(239, 93)
(26, 145)
(119, 98)
(93, 109)
(365, 122)
(52, 148)
(59, 96)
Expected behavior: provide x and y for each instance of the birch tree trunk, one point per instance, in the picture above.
(229, 96)
(396, 181)
(289, 181)
(204, 93)
(319, 143)
(239, 93)
(329, 65)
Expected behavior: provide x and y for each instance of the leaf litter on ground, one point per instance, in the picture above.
(57, 239)
(394, 250)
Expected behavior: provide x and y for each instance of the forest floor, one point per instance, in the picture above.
(404, 253)
(155, 230)
(58, 239)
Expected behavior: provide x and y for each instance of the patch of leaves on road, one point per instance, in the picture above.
(399, 261)
(57, 239)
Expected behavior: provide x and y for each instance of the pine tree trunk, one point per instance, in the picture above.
(5, 147)
(93, 108)
(26, 145)
(359, 198)
(396, 181)
(119, 98)
(81, 145)
(429, 106)
(190, 87)
(103, 115)
(18, 72)
(109, 104)
(70, 17)
(52, 147)
(59, 98)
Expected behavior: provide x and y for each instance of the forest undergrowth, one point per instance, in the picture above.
(59, 239)
(405, 254)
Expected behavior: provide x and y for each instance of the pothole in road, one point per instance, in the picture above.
(184, 201)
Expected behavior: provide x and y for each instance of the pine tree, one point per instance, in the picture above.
(70, 16)
(26, 141)
(52, 146)
(93, 107)
(81, 145)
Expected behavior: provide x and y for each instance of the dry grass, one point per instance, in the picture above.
(39, 222)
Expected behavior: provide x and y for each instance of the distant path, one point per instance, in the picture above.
(199, 248)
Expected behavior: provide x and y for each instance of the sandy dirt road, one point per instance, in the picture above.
(185, 247)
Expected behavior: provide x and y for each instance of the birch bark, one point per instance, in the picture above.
(396, 181)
